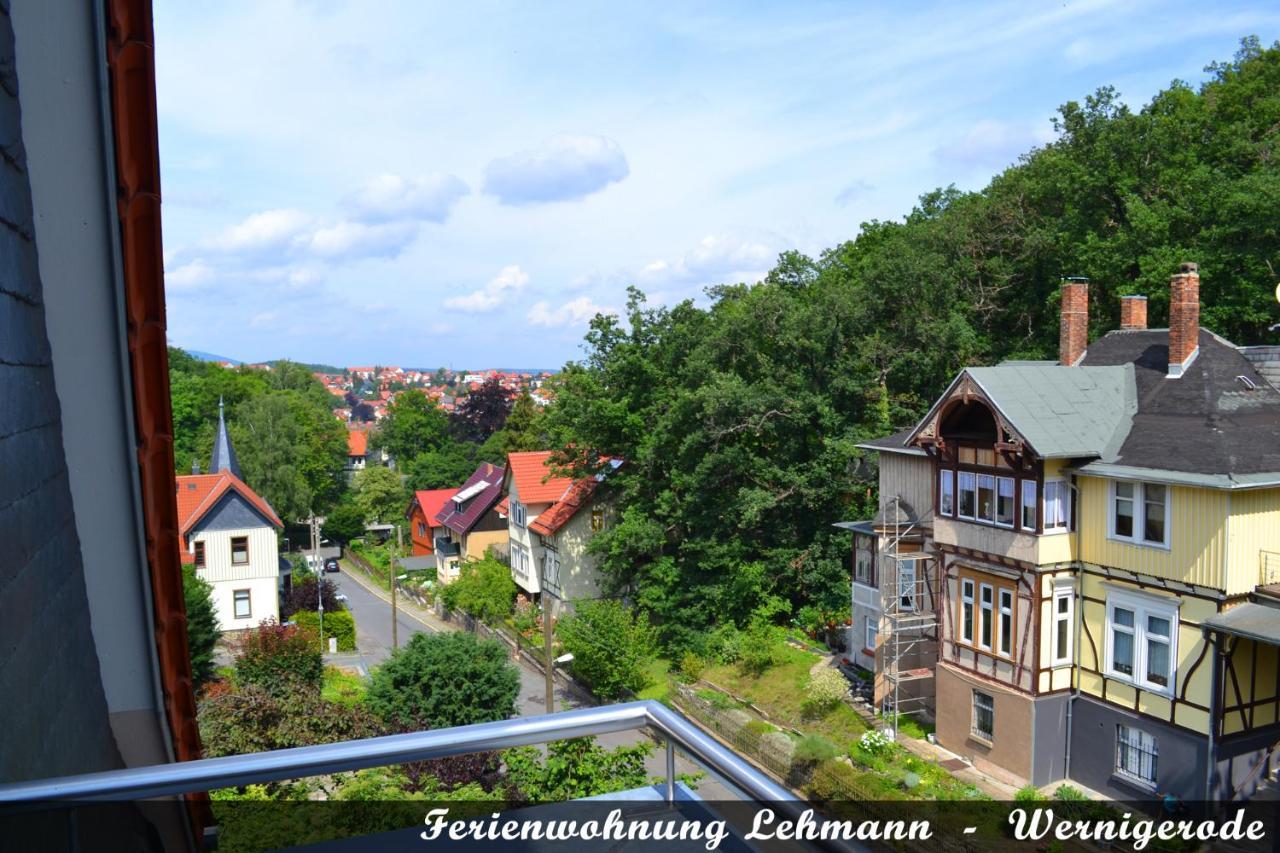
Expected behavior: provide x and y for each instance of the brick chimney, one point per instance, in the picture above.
(1133, 313)
(1184, 318)
(1073, 329)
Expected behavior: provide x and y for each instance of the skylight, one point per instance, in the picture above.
(470, 492)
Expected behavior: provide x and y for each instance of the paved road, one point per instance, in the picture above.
(373, 639)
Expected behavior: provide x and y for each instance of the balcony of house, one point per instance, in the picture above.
(446, 547)
(52, 803)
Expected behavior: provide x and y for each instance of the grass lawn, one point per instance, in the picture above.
(660, 682)
(779, 691)
(342, 686)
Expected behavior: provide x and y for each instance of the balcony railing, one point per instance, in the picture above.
(284, 764)
(447, 547)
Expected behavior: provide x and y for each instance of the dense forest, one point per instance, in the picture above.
(739, 421)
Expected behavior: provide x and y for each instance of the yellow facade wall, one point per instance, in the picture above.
(1197, 527)
(1193, 677)
(1253, 528)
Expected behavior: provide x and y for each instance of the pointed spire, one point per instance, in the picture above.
(224, 455)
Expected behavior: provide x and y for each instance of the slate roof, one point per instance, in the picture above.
(1206, 422)
(896, 443)
(1062, 412)
(461, 518)
(224, 455)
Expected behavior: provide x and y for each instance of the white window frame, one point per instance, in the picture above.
(1023, 506)
(991, 480)
(1139, 514)
(907, 585)
(519, 515)
(1013, 503)
(973, 482)
(968, 607)
(986, 615)
(870, 632)
(1142, 607)
(235, 604)
(551, 566)
(1004, 602)
(1142, 743)
(946, 492)
(1052, 525)
(247, 558)
(1063, 594)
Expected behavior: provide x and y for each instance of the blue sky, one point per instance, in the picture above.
(466, 184)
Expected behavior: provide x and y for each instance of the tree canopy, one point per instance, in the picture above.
(739, 421)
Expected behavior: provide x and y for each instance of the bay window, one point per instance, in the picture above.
(986, 604)
(968, 494)
(1057, 506)
(986, 497)
(1029, 505)
(1141, 643)
(1063, 604)
(1140, 513)
(1004, 501)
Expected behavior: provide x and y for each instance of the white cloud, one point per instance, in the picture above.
(716, 258)
(189, 276)
(270, 229)
(991, 144)
(510, 280)
(564, 168)
(390, 197)
(266, 318)
(576, 312)
(352, 240)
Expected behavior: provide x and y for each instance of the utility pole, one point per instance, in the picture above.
(316, 567)
(547, 637)
(395, 627)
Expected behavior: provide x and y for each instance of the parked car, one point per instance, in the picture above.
(331, 564)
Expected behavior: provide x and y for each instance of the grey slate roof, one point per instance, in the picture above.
(224, 455)
(1063, 412)
(1206, 422)
(896, 443)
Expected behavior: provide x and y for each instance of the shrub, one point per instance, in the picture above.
(574, 769)
(253, 719)
(824, 692)
(302, 597)
(611, 645)
(836, 781)
(692, 665)
(337, 623)
(815, 748)
(809, 618)
(278, 658)
(760, 646)
(483, 588)
(1028, 794)
(202, 625)
(725, 644)
(875, 742)
(441, 680)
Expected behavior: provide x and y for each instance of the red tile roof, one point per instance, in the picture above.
(558, 514)
(199, 493)
(534, 481)
(432, 502)
(357, 442)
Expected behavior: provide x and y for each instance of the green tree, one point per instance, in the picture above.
(251, 718)
(380, 495)
(414, 425)
(525, 428)
(612, 646)
(483, 412)
(202, 625)
(441, 680)
(439, 469)
(483, 588)
(574, 769)
(280, 659)
(345, 521)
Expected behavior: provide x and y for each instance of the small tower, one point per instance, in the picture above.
(224, 455)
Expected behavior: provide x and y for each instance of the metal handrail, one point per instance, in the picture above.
(184, 777)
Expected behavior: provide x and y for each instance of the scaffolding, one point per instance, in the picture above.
(908, 612)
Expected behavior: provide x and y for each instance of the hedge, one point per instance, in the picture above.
(339, 623)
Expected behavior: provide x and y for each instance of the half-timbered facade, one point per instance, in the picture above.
(1104, 527)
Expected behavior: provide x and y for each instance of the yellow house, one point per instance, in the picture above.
(1107, 532)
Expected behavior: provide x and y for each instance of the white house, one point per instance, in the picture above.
(550, 520)
(229, 533)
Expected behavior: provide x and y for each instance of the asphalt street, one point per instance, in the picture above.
(373, 640)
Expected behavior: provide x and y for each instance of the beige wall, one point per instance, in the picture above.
(477, 542)
(909, 477)
(1010, 748)
(579, 575)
